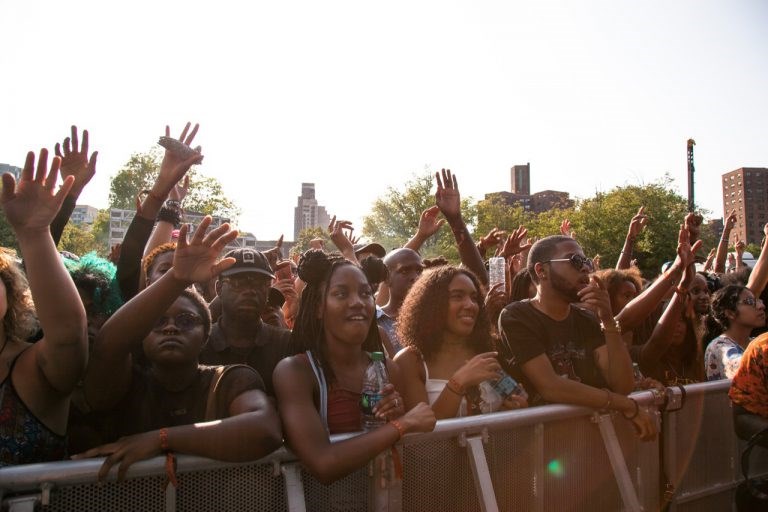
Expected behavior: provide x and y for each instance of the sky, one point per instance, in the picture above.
(359, 96)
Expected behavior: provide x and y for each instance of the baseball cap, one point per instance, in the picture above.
(373, 248)
(248, 260)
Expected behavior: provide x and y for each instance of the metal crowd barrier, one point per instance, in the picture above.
(539, 459)
(702, 455)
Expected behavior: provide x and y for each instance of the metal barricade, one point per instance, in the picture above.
(701, 451)
(544, 458)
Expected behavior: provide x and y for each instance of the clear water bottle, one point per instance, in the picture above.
(506, 386)
(375, 379)
(496, 271)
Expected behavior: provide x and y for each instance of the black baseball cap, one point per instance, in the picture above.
(248, 260)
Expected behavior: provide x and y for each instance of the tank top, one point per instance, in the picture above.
(435, 386)
(339, 407)
(24, 439)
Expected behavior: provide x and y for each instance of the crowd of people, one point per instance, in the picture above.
(176, 344)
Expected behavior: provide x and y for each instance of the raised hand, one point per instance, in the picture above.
(685, 251)
(565, 228)
(493, 238)
(739, 247)
(31, 204)
(195, 261)
(730, 221)
(495, 300)
(340, 240)
(352, 239)
(515, 243)
(174, 166)
(428, 223)
(75, 161)
(275, 254)
(180, 190)
(692, 223)
(637, 224)
(447, 197)
(596, 262)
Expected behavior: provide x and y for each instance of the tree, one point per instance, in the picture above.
(79, 240)
(7, 236)
(307, 234)
(394, 218)
(206, 194)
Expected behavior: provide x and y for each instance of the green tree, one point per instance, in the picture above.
(206, 194)
(394, 217)
(308, 234)
(79, 240)
(7, 236)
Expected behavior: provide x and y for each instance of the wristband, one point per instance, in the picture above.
(400, 428)
(616, 327)
(170, 459)
(634, 414)
(454, 386)
(170, 215)
(608, 400)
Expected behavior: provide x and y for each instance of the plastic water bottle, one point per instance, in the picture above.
(506, 386)
(375, 379)
(496, 271)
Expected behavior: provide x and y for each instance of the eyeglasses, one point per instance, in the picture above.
(183, 322)
(578, 261)
(246, 281)
(751, 301)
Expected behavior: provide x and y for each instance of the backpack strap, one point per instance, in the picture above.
(323, 388)
(212, 402)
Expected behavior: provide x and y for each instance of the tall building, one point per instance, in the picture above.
(746, 191)
(521, 179)
(521, 193)
(308, 214)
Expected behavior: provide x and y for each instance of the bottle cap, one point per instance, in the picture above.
(377, 356)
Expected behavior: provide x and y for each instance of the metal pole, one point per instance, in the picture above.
(618, 463)
(481, 474)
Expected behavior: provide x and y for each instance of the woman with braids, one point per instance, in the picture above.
(318, 391)
(448, 350)
(737, 311)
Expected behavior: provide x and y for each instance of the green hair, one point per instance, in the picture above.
(96, 276)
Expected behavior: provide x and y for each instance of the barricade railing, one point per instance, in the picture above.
(701, 450)
(554, 457)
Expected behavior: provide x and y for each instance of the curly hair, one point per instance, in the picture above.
(96, 276)
(149, 259)
(19, 322)
(423, 316)
(316, 268)
(613, 278)
(725, 299)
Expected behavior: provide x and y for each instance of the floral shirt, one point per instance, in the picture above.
(722, 358)
(749, 388)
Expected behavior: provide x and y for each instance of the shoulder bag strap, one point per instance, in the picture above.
(323, 390)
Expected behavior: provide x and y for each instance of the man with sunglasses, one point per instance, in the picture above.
(561, 352)
(240, 335)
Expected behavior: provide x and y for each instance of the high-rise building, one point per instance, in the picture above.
(746, 191)
(308, 214)
(521, 179)
(83, 214)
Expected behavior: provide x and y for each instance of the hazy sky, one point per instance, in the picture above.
(357, 96)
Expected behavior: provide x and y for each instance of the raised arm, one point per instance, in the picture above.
(758, 278)
(658, 343)
(108, 378)
(340, 240)
(739, 248)
(722, 246)
(169, 217)
(30, 206)
(428, 226)
(636, 226)
(448, 200)
(74, 162)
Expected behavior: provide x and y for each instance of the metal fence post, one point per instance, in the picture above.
(480, 472)
(618, 463)
(294, 488)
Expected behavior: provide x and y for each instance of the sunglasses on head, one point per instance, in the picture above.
(578, 261)
(183, 322)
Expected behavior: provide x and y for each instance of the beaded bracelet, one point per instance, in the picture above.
(400, 428)
(170, 459)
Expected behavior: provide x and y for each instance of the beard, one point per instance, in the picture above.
(563, 287)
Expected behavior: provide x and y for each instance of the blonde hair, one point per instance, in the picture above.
(19, 322)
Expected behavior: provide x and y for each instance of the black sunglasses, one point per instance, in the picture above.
(578, 261)
(183, 322)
